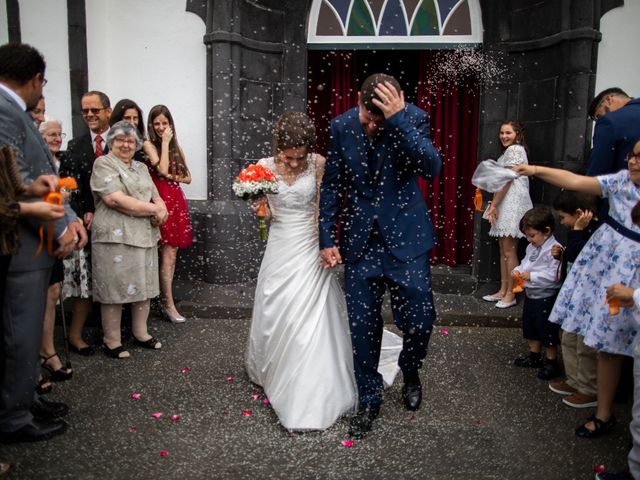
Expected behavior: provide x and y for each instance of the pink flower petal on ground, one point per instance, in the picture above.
(132, 429)
(157, 414)
(136, 396)
(347, 443)
(599, 469)
(175, 418)
(444, 331)
(266, 402)
(185, 370)
(164, 453)
(246, 413)
(255, 395)
(230, 378)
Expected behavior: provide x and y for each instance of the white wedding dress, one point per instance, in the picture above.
(299, 344)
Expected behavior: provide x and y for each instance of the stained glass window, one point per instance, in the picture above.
(394, 23)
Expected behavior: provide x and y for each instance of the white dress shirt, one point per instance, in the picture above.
(543, 269)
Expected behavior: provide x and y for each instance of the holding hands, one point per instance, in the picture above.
(330, 257)
(391, 101)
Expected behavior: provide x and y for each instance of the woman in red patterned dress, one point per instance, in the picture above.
(168, 168)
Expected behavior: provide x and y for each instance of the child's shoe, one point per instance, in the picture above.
(530, 360)
(550, 369)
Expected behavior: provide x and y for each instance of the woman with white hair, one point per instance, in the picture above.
(51, 131)
(124, 238)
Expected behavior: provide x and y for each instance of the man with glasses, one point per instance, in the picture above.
(25, 277)
(617, 118)
(81, 153)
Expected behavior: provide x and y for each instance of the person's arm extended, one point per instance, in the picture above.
(561, 178)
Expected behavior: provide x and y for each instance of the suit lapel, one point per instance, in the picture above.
(31, 126)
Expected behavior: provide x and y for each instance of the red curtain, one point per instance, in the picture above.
(333, 89)
(453, 109)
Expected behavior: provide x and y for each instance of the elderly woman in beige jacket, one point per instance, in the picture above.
(124, 239)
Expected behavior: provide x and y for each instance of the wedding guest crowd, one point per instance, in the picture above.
(116, 205)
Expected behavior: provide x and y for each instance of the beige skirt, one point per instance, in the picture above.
(124, 274)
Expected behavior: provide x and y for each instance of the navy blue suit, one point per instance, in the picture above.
(614, 136)
(385, 234)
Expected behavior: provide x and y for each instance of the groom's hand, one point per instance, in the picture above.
(330, 257)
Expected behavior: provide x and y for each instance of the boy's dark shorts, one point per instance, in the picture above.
(535, 321)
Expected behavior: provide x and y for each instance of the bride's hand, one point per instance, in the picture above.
(260, 203)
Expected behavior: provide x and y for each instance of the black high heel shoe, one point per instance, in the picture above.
(59, 375)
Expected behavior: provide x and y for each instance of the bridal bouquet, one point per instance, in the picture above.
(254, 182)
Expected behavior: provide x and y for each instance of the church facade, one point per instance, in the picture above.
(228, 68)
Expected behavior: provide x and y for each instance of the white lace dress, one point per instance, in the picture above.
(299, 345)
(517, 200)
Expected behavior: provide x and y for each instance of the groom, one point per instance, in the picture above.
(378, 151)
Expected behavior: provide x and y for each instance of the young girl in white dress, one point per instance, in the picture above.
(506, 209)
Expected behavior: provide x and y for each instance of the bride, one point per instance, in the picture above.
(299, 344)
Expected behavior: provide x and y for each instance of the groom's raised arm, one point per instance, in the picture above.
(412, 127)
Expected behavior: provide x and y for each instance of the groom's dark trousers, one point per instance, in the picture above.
(409, 284)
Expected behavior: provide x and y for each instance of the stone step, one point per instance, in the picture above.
(458, 301)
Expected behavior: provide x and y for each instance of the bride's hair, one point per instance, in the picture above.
(292, 130)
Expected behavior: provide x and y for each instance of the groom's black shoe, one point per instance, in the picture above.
(362, 421)
(412, 393)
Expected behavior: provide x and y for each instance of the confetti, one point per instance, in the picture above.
(444, 331)
(467, 65)
(164, 453)
(246, 413)
(266, 402)
(255, 395)
(157, 414)
(347, 443)
(132, 429)
(185, 370)
(175, 418)
(230, 378)
(136, 396)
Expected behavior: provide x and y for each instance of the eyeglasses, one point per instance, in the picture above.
(633, 156)
(55, 135)
(123, 141)
(44, 80)
(92, 111)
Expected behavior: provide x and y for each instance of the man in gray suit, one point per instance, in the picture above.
(23, 415)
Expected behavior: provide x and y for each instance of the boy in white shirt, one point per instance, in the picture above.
(541, 275)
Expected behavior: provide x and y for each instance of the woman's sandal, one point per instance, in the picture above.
(115, 352)
(602, 427)
(44, 386)
(59, 375)
(151, 344)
